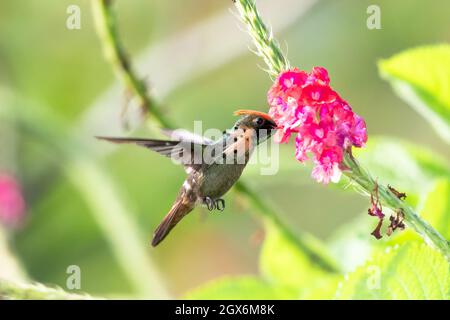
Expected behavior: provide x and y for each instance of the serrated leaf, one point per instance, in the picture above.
(410, 271)
(243, 288)
(421, 77)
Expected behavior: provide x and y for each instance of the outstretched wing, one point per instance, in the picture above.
(164, 147)
(186, 153)
(185, 135)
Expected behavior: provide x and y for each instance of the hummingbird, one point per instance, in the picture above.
(212, 167)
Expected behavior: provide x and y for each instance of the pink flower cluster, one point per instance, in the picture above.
(12, 204)
(305, 104)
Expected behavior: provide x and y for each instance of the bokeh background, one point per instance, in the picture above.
(194, 57)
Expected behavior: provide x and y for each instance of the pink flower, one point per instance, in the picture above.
(304, 104)
(12, 204)
(327, 166)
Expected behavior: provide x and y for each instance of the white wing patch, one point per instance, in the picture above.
(185, 135)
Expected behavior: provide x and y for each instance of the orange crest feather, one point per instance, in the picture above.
(253, 112)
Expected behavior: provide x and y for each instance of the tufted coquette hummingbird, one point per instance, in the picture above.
(212, 167)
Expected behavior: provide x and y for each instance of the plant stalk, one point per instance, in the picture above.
(276, 62)
(364, 181)
(115, 53)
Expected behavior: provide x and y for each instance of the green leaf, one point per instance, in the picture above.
(410, 271)
(325, 291)
(421, 77)
(245, 287)
(281, 262)
(436, 209)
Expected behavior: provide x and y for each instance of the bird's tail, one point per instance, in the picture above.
(179, 209)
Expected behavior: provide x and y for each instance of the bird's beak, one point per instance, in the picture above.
(274, 128)
(271, 129)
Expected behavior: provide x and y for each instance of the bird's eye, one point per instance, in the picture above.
(259, 121)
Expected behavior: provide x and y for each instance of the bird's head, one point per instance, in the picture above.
(263, 125)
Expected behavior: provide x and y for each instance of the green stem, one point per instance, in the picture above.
(105, 20)
(268, 48)
(106, 26)
(363, 180)
(10, 290)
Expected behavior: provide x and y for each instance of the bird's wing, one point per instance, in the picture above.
(187, 153)
(185, 135)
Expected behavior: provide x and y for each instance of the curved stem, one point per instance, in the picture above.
(363, 180)
(105, 20)
(268, 48)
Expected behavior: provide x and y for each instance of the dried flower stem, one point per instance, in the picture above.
(367, 183)
(276, 62)
(106, 26)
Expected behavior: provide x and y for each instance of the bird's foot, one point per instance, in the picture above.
(210, 203)
(213, 204)
(220, 204)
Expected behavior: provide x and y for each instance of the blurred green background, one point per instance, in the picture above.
(45, 66)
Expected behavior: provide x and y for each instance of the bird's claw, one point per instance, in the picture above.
(220, 204)
(211, 204)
